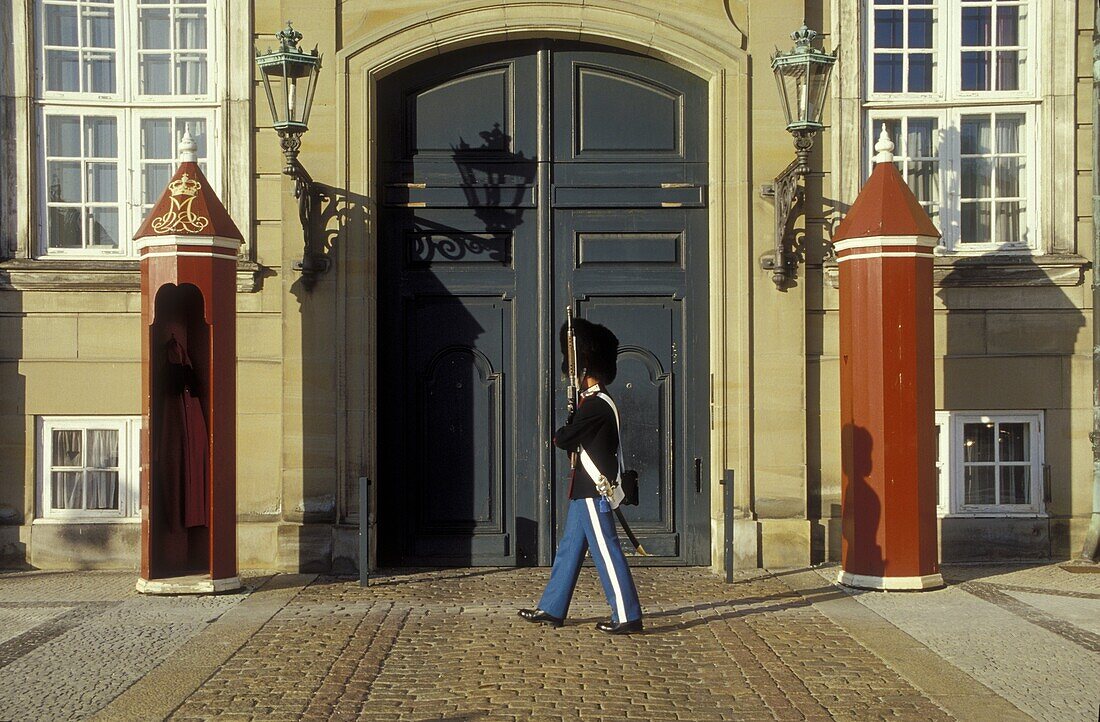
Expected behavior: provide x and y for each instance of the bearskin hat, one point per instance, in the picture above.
(597, 350)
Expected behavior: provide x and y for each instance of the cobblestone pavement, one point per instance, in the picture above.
(1030, 634)
(447, 645)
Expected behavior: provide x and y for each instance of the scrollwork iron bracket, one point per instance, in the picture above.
(782, 261)
(314, 263)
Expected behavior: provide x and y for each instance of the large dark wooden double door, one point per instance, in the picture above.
(515, 180)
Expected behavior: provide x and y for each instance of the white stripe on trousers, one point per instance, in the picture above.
(620, 606)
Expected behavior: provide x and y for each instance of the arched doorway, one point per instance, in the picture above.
(516, 179)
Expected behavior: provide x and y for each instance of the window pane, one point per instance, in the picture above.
(62, 70)
(102, 490)
(61, 25)
(976, 222)
(156, 29)
(101, 73)
(67, 489)
(1014, 440)
(1012, 222)
(920, 73)
(104, 227)
(976, 26)
(1008, 25)
(922, 139)
(978, 442)
(1008, 70)
(1011, 133)
(1015, 485)
(63, 136)
(978, 485)
(103, 182)
(63, 179)
(976, 174)
(191, 30)
(156, 138)
(155, 181)
(975, 132)
(924, 180)
(976, 70)
(156, 74)
(103, 448)
(64, 227)
(191, 75)
(889, 32)
(1010, 178)
(99, 28)
(67, 447)
(920, 28)
(101, 140)
(888, 69)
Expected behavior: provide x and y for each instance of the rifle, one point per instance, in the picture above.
(572, 397)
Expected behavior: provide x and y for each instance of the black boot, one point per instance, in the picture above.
(634, 625)
(540, 617)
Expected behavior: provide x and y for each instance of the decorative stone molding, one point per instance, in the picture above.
(1007, 271)
(93, 275)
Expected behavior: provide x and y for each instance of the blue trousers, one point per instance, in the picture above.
(586, 527)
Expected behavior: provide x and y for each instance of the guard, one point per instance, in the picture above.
(591, 436)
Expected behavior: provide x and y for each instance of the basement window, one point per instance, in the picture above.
(990, 463)
(88, 468)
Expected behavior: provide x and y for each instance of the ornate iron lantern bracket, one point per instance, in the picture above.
(290, 79)
(788, 194)
(802, 76)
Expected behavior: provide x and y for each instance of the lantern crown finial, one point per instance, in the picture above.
(289, 38)
(188, 149)
(804, 37)
(884, 147)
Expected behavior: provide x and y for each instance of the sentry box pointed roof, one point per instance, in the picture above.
(189, 207)
(886, 206)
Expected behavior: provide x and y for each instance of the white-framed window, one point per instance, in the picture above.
(88, 468)
(990, 463)
(118, 82)
(972, 171)
(955, 82)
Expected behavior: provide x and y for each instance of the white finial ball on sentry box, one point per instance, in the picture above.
(884, 147)
(188, 149)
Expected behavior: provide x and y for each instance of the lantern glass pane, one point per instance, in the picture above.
(818, 87)
(270, 79)
(311, 81)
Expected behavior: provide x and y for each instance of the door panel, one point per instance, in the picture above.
(516, 179)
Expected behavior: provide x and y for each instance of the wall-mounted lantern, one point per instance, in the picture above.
(290, 79)
(802, 74)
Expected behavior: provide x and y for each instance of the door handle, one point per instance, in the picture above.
(698, 475)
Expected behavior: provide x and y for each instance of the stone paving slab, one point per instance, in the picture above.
(1033, 656)
(104, 638)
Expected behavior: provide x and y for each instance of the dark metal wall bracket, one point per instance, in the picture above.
(313, 263)
(782, 261)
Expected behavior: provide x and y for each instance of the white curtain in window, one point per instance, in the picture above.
(191, 67)
(102, 469)
(1009, 138)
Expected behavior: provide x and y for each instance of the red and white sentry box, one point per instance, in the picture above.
(188, 247)
(884, 247)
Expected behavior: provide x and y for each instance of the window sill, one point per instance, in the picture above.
(54, 521)
(996, 515)
(996, 270)
(70, 274)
